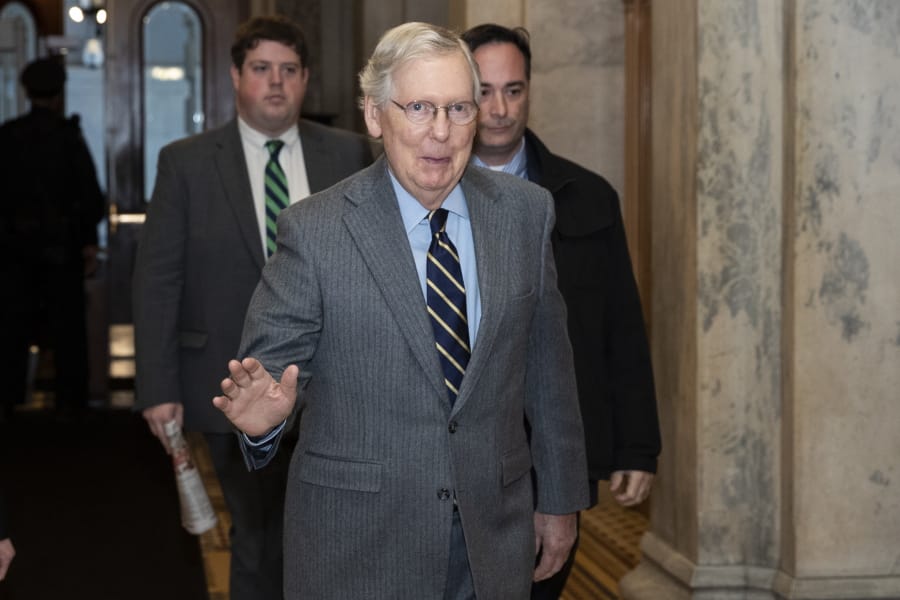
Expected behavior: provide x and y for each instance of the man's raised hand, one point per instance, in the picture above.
(251, 398)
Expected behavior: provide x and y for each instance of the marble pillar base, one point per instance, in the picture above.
(665, 573)
(836, 588)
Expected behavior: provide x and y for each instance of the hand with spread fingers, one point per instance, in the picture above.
(252, 400)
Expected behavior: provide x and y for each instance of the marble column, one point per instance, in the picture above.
(842, 496)
(776, 309)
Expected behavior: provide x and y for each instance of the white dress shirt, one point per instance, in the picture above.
(291, 160)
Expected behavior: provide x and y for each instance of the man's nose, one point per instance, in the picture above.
(275, 76)
(497, 104)
(440, 126)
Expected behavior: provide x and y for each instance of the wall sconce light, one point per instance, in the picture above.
(88, 8)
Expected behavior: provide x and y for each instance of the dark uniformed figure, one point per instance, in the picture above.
(49, 210)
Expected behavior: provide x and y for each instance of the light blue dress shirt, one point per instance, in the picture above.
(518, 164)
(459, 230)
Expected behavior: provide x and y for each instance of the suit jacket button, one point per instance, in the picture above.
(443, 494)
(452, 427)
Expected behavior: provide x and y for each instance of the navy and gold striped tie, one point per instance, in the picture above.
(276, 192)
(446, 299)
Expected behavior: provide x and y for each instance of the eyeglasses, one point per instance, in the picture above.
(422, 111)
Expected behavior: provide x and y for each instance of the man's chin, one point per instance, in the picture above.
(281, 119)
(494, 146)
(495, 141)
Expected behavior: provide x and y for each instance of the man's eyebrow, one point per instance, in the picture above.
(260, 61)
(507, 84)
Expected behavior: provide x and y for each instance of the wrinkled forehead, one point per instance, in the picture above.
(445, 75)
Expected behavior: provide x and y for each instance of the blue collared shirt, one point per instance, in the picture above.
(517, 166)
(459, 230)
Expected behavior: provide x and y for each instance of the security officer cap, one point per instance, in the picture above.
(43, 78)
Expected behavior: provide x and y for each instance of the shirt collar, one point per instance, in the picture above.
(414, 213)
(517, 165)
(258, 139)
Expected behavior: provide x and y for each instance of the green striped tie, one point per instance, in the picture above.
(277, 197)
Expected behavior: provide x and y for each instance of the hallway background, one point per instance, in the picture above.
(763, 181)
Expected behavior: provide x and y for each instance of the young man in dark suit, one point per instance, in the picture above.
(612, 359)
(207, 236)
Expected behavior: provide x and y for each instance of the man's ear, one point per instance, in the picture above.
(373, 117)
(235, 77)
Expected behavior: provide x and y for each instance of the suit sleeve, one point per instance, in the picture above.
(157, 288)
(636, 442)
(557, 434)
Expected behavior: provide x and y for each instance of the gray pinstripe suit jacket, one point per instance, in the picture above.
(368, 512)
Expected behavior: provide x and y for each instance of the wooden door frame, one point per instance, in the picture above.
(125, 122)
(636, 199)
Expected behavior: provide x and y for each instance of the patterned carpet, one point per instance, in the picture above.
(213, 543)
(609, 548)
(94, 511)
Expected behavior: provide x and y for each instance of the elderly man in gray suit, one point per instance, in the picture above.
(201, 253)
(414, 308)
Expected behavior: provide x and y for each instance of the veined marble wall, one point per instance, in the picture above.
(845, 387)
(577, 75)
(776, 304)
(739, 160)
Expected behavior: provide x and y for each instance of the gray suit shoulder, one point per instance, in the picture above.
(499, 184)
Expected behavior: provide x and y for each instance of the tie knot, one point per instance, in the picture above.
(438, 220)
(274, 147)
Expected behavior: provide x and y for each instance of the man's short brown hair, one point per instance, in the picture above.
(274, 29)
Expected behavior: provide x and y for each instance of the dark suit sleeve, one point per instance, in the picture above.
(157, 288)
(636, 440)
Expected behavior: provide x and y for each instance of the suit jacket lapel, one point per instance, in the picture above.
(375, 224)
(489, 231)
(232, 169)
